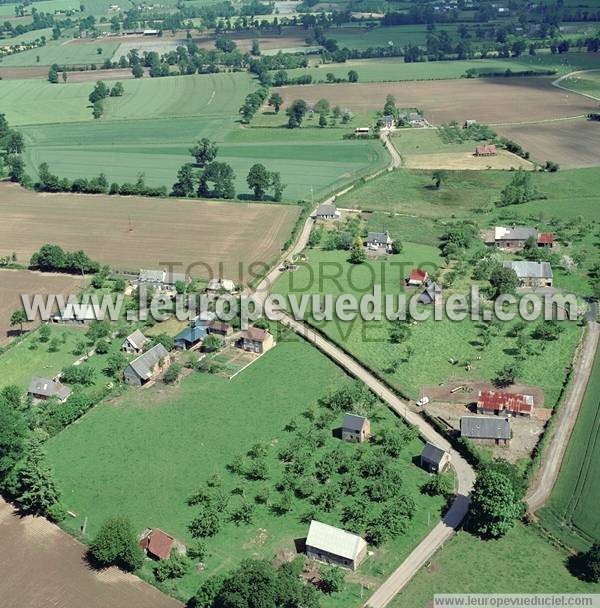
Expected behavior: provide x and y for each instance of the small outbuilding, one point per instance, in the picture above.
(219, 328)
(486, 429)
(135, 342)
(158, 544)
(335, 546)
(147, 366)
(434, 459)
(503, 403)
(356, 428)
(42, 389)
(546, 239)
(256, 340)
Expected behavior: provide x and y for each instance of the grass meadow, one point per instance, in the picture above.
(394, 69)
(414, 363)
(143, 454)
(571, 513)
(587, 83)
(530, 564)
(151, 128)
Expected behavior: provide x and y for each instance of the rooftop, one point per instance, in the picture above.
(353, 422)
(516, 233)
(432, 453)
(535, 270)
(334, 540)
(514, 403)
(48, 388)
(485, 427)
(144, 365)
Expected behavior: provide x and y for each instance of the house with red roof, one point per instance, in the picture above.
(503, 403)
(417, 277)
(486, 150)
(546, 239)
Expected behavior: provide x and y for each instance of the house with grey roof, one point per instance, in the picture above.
(43, 388)
(379, 240)
(531, 274)
(327, 211)
(135, 342)
(147, 366)
(335, 546)
(162, 280)
(431, 294)
(514, 238)
(486, 429)
(434, 459)
(356, 428)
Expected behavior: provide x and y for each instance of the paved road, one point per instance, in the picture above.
(43, 567)
(540, 490)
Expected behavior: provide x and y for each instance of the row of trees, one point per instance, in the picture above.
(53, 258)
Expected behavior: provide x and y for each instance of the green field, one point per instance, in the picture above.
(586, 82)
(529, 565)
(61, 51)
(394, 69)
(454, 341)
(570, 514)
(151, 128)
(144, 454)
(47, 6)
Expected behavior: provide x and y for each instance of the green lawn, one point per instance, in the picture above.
(47, 6)
(143, 454)
(454, 341)
(394, 68)
(31, 358)
(466, 564)
(410, 142)
(570, 514)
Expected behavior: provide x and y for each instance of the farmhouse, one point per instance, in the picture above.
(513, 238)
(141, 370)
(417, 277)
(220, 286)
(431, 294)
(158, 544)
(190, 337)
(486, 429)
(42, 389)
(79, 314)
(502, 403)
(532, 274)
(434, 459)
(356, 428)
(335, 546)
(327, 211)
(135, 342)
(486, 150)
(379, 240)
(256, 340)
(219, 328)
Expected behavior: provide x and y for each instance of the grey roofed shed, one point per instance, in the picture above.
(352, 422)
(144, 365)
(43, 387)
(137, 339)
(485, 427)
(432, 453)
(525, 269)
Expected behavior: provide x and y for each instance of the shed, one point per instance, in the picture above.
(190, 337)
(220, 328)
(546, 239)
(156, 543)
(486, 428)
(501, 402)
(355, 428)
(43, 388)
(135, 342)
(146, 366)
(434, 459)
(335, 546)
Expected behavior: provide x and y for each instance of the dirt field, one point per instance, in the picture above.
(15, 282)
(492, 101)
(42, 567)
(23, 73)
(294, 37)
(466, 160)
(570, 143)
(130, 233)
